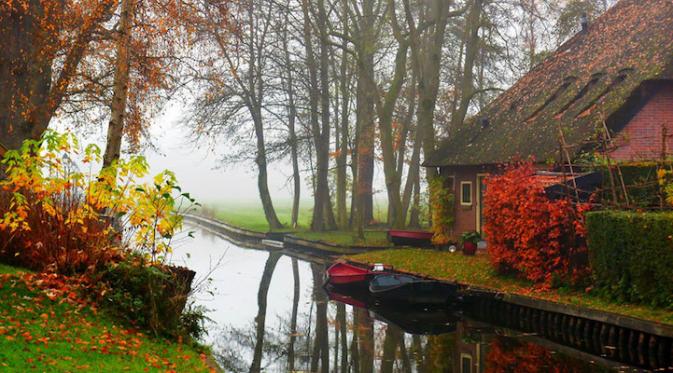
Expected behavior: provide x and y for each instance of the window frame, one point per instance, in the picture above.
(462, 193)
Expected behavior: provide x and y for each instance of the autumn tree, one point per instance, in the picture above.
(235, 82)
(45, 43)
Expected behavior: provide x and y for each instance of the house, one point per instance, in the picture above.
(618, 70)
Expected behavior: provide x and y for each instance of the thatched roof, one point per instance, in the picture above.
(590, 77)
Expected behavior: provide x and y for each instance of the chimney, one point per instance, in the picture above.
(584, 21)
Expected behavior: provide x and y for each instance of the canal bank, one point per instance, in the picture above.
(281, 310)
(475, 275)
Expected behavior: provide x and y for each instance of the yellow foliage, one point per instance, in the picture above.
(441, 205)
(43, 175)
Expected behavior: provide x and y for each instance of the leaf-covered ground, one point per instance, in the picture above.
(477, 271)
(45, 327)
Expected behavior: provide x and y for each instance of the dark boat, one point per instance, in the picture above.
(420, 319)
(412, 318)
(411, 289)
(410, 238)
(345, 274)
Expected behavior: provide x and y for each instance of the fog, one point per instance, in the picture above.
(200, 170)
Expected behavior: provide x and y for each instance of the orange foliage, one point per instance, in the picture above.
(514, 356)
(529, 234)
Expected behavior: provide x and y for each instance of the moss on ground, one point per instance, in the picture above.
(40, 332)
(477, 271)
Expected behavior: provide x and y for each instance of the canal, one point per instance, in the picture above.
(269, 312)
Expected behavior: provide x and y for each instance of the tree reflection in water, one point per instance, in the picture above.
(317, 335)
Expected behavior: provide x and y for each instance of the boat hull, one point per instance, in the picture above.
(392, 288)
(346, 274)
(410, 238)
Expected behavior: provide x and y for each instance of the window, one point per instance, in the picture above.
(465, 363)
(466, 193)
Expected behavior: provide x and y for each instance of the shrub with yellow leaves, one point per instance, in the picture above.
(59, 218)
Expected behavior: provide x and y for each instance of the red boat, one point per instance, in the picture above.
(344, 273)
(410, 238)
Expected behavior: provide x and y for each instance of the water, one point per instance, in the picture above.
(251, 298)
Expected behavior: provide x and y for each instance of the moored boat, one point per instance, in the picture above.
(411, 289)
(343, 273)
(419, 319)
(410, 238)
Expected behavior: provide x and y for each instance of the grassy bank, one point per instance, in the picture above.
(373, 238)
(42, 332)
(250, 215)
(477, 271)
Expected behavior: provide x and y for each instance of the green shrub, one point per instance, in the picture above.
(152, 297)
(631, 255)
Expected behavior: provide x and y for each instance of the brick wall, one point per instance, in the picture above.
(641, 138)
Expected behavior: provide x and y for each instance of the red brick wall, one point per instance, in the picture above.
(641, 138)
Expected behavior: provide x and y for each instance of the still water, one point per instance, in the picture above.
(270, 313)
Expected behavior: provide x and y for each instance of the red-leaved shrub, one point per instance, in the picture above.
(530, 235)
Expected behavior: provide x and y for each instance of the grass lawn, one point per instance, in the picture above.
(250, 215)
(348, 238)
(477, 271)
(5, 269)
(41, 334)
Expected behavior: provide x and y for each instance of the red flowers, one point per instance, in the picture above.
(529, 234)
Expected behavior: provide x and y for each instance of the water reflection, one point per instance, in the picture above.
(271, 314)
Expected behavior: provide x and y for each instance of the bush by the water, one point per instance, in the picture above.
(153, 297)
(631, 255)
(104, 227)
(530, 235)
(60, 219)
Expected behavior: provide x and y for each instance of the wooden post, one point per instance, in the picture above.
(611, 177)
(564, 147)
(608, 138)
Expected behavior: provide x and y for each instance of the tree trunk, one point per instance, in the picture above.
(342, 135)
(415, 219)
(386, 111)
(262, 175)
(426, 49)
(472, 26)
(291, 119)
(343, 333)
(260, 319)
(390, 343)
(366, 96)
(365, 341)
(293, 319)
(30, 35)
(414, 171)
(120, 86)
(322, 331)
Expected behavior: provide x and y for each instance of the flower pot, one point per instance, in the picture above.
(469, 248)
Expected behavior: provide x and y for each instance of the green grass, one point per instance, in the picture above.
(477, 271)
(250, 215)
(347, 238)
(40, 334)
(5, 269)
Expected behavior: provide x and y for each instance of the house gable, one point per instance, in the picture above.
(648, 134)
(584, 82)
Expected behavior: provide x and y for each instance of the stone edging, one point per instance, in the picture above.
(289, 239)
(226, 228)
(628, 322)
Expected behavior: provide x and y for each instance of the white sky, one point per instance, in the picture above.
(197, 166)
